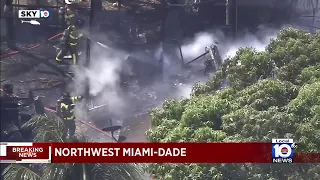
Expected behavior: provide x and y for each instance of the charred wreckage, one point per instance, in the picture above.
(141, 66)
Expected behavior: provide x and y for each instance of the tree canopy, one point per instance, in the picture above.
(255, 96)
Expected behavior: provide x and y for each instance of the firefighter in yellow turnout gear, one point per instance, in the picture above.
(67, 16)
(69, 43)
(65, 110)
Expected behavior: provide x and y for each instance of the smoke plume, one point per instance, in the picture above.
(103, 75)
(106, 64)
(227, 48)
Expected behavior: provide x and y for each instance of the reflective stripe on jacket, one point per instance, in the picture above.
(76, 98)
(74, 37)
(67, 110)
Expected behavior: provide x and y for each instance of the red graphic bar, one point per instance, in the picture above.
(163, 152)
(149, 153)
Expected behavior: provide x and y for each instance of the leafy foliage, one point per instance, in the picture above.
(51, 129)
(270, 94)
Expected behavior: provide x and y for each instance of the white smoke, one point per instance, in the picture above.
(258, 41)
(104, 77)
(196, 46)
(227, 48)
(106, 64)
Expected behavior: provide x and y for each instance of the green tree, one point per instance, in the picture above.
(51, 129)
(270, 94)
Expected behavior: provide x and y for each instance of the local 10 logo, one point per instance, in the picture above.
(282, 150)
(44, 13)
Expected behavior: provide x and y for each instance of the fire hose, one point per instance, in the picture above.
(39, 44)
(83, 122)
(29, 48)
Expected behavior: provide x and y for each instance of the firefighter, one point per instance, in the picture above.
(65, 110)
(67, 15)
(62, 12)
(209, 63)
(69, 43)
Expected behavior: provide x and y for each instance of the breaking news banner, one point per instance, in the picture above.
(150, 153)
(22, 152)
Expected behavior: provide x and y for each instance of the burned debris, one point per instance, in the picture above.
(140, 64)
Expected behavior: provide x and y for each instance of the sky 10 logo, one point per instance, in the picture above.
(33, 14)
(282, 150)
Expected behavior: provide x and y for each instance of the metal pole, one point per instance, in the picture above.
(8, 10)
(198, 57)
(227, 13)
(163, 20)
(234, 18)
(180, 50)
(88, 54)
(87, 86)
(236, 7)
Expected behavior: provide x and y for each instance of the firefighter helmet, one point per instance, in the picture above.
(66, 95)
(72, 27)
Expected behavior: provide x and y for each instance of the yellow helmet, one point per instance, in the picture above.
(72, 27)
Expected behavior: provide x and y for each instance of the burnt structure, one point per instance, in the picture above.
(14, 112)
(229, 15)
